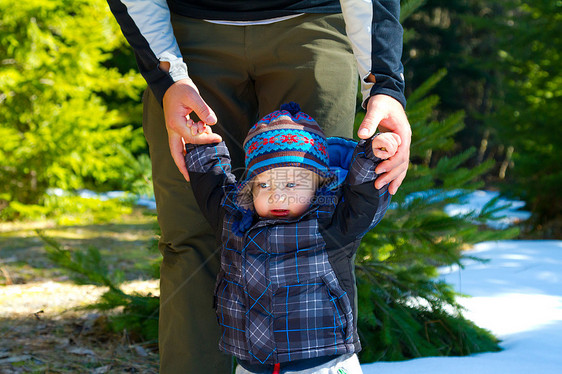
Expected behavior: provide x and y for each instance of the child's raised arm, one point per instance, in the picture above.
(385, 145)
(211, 178)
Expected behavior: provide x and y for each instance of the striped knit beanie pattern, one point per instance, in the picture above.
(286, 137)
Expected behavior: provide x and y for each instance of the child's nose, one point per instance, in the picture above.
(277, 197)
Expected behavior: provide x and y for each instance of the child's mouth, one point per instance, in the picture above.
(280, 212)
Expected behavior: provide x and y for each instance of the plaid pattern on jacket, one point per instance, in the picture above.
(286, 288)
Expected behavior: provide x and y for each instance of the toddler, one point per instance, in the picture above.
(285, 294)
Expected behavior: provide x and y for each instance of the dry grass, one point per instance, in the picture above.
(43, 326)
(42, 331)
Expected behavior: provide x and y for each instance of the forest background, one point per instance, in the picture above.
(483, 88)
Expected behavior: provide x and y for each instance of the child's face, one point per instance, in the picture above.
(284, 192)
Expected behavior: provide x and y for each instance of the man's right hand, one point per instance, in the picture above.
(179, 101)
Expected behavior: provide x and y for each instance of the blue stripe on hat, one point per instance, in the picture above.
(279, 161)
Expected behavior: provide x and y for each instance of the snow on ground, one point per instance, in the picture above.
(518, 296)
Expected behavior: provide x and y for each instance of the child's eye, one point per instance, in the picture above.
(263, 185)
(291, 185)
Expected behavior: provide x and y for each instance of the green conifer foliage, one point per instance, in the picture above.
(441, 35)
(405, 311)
(56, 129)
(528, 107)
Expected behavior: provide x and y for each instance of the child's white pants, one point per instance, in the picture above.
(344, 364)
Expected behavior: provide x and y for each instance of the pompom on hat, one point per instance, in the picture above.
(286, 137)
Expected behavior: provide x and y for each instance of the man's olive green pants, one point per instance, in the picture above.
(243, 73)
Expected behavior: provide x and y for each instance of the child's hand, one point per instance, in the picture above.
(385, 145)
(201, 133)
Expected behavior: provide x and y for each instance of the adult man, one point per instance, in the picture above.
(246, 58)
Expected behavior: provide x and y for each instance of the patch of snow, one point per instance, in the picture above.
(517, 295)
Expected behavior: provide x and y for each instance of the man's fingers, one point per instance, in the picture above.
(401, 157)
(390, 176)
(395, 167)
(396, 183)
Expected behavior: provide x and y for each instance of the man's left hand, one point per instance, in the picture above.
(386, 113)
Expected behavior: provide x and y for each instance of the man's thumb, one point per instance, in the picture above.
(369, 125)
(205, 113)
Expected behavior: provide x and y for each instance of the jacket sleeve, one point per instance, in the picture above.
(146, 26)
(211, 179)
(361, 206)
(373, 27)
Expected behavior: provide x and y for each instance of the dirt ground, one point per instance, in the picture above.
(42, 332)
(43, 325)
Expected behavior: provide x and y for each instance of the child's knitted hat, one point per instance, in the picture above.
(286, 137)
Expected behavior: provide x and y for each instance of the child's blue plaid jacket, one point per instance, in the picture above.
(286, 288)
